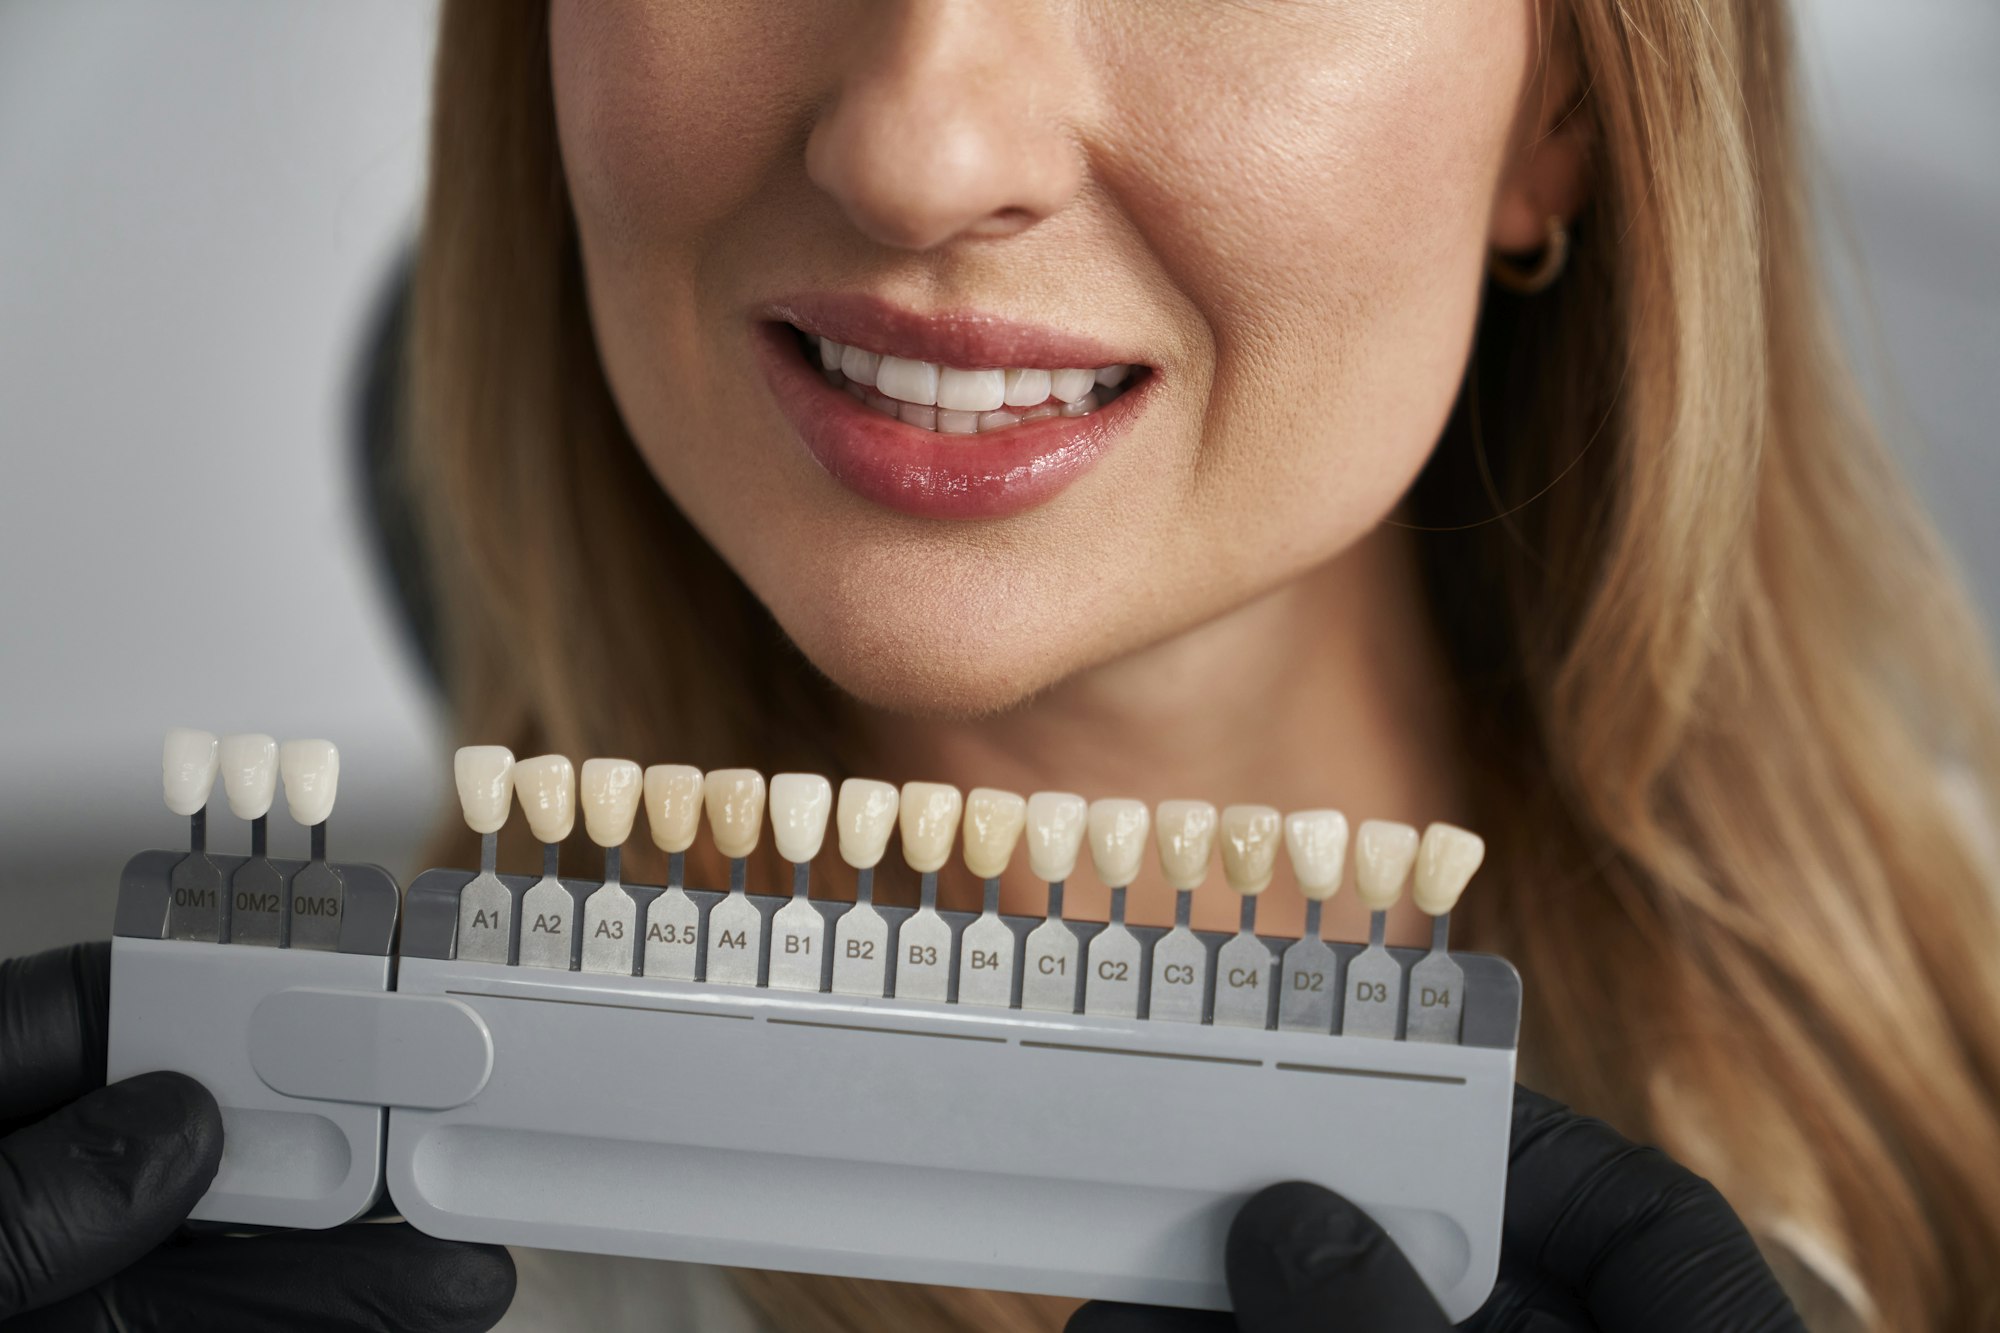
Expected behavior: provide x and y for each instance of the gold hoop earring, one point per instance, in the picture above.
(1555, 255)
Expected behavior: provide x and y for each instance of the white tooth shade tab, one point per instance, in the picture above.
(866, 816)
(735, 801)
(187, 768)
(993, 823)
(1446, 860)
(673, 805)
(907, 381)
(546, 788)
(800, 805)
(1055, 833)
(1250, 838)
(311, 770)
(860, 366)
(249, 774)
(1317, 843)
(1118, 829)
(1027, 388)
(1383, 853)
(1185, 831)
(609, 790)
(1071, 385)
(929, 819)
(485, 778)
(971, 390)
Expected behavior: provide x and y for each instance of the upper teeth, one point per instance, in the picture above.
(928, 384)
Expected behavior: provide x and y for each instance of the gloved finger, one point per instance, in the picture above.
(366, 1278)
(94, 1185)
(1116, 1317)
(1647, 1245)
(1527, 1300)
(53, 1012)
(1301, 1257)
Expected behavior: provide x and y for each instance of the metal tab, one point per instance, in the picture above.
(860, 952)
(1243, 973)
(1111, 974)
(735, 938)
(610, 930)
(317, 899)
(485, 920)
(1437, 992)
(547, 913)
(194, 907)
(1180, 977)
(257, 904)
(923, 957)
(1049, 969)
(986, 963)
(1307, 987)
(673, 926)
(798, 946)
(1373, 995)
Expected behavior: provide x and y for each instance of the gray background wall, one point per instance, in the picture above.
(197, 201)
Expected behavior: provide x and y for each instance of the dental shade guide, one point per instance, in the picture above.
(687, 1074)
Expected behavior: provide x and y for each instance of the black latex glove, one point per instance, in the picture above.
(95, 1182)
(1601, 1236)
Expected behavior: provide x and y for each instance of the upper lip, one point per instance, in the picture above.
(968, 339)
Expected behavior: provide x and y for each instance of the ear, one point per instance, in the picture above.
(1548, 169)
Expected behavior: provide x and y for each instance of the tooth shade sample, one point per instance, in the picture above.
(546, 787)
(485, 778)
(609, 789)
(1317, 842)
(673, 805)
(1118, 829)
(735, 800)
(1185, 832)
(1250, 837)
(800, 803)
(1383, 852)
(1055, 833)
(188, 769)
(311, 771)
(249, 774)
(993, 823)
(866, 816)
(1446, 860)
(929, 823)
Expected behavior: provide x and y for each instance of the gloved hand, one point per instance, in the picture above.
(95, 1180)
(1601, 1236)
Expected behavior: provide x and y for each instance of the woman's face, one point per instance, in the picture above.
(1275, 211)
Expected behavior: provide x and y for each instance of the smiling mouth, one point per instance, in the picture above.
(953, 401)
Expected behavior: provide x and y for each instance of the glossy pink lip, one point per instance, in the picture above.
(920, 472)
(967, 339)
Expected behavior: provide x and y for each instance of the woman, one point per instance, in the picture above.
(1598, 558)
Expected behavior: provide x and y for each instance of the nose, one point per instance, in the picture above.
(952, 118)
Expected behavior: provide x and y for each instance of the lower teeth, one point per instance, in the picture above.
(946, 422)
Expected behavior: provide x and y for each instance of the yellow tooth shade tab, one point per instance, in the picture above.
(993, 823)
(800, 804)
(735, 801)
(1316, 840)
(929, 815)
(866, 817)
(1446, 860)
(1055, 833)
(546, 788)
(609, 790)
(1185, 832)
(484, 775)
(673, 805)
(1383, 853)
(1250, 837)
(1118, 828)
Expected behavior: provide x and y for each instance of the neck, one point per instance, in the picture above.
(1328, 691)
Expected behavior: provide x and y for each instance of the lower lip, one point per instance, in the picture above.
(921, 472)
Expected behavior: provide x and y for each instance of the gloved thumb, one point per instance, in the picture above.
(1301, 1257)
(88, 1189)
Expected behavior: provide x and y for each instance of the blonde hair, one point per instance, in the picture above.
(1712, 661)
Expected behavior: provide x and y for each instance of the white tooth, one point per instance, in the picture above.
(249, 774)
(829, 354)
(882, 402)
(1055, 833)
(1250, 837)
(1083, 406)
(673, 805)
(1118, 829)
(1045, 410)
(1070, 385)
(1383, 851)
(735, 800)
(997, 420)
(485, 777)
(1186, 834)
(188, 767)
(546, 788)
(867, 814)
(971, 390)
(929, 823)
(1112, 376)
(993, 823)
(1026, 388)
(910, 381)
(311, 770)
(958, 423)
(859, 366)
(1446, 859)
(609, 790)
(919, 416)
(800, 803)
(1317, 842)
